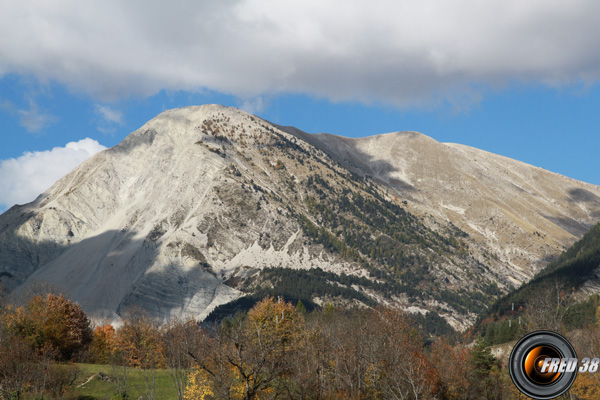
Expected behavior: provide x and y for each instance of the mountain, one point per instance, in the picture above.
(575, 272)
(563, 296)
(204, 204)
(522, 214)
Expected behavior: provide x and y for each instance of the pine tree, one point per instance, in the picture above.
(482, 367)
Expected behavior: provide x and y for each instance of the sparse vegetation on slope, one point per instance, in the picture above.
(348, 216)
(571, 270)
(198, 201)
(560, 282)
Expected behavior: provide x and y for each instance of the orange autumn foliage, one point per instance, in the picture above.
(452, 365)
(52, 322)
(139, 344)
(103, 342)
(276, 324)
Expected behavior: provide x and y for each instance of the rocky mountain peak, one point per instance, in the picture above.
(203, 204)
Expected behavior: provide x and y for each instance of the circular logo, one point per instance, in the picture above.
(537, 365)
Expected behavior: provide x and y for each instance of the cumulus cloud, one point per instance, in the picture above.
(22, 179)
(400, 52)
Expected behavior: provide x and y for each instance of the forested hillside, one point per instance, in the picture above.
(563, 296)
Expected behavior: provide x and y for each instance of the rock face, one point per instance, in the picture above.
(522, 214)
(188, 209)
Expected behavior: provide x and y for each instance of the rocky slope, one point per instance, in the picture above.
(522, 214)
(184, 214)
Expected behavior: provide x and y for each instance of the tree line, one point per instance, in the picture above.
(276, 350)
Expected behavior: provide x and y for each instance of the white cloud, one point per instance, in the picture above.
(34, 120)
(108, 118)
(254, 105)
(22, 179)
(110, 115)
(400, 52)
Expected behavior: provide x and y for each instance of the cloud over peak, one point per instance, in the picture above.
(404, 53)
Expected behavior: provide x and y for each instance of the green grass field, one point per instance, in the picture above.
(98, 389)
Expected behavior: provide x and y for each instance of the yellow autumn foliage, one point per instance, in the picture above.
(199, 386)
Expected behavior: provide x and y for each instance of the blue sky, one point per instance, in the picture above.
(514, 78)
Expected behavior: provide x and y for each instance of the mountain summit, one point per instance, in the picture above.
(203, 204)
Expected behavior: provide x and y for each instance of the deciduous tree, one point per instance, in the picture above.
(254, 352)
(453, 368)
(52, 322)
(102, 345)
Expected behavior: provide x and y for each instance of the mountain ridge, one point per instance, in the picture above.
(184, 213)
(442, 189)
